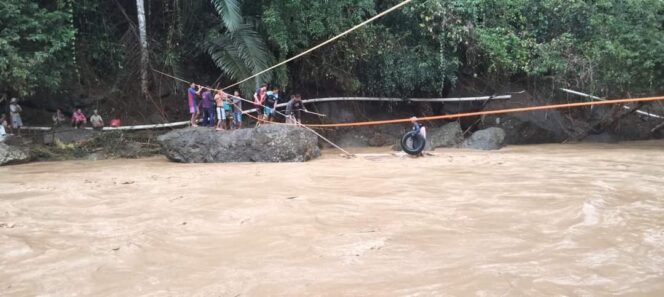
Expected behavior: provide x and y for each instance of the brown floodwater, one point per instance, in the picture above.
(545, 220)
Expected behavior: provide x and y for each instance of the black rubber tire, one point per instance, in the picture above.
(417, 140)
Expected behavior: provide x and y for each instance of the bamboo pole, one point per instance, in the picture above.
(314, 100)
(378, 99)
(641, 112)
(657, 128)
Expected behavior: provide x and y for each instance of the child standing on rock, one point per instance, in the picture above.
(228, 111)
(221, 114)
(259, 98)
(271, 101)
(237, 110)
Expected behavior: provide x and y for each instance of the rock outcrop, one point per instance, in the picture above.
(267, 143)
(12, 155)
(520, 131)
(67, 135)
(449, 135)
(601, 138)
(487, 139)
(378, 140)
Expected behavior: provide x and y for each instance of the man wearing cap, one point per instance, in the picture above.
(15, 115)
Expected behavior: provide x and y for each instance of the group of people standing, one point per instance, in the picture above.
(265, 102)
(224, 111)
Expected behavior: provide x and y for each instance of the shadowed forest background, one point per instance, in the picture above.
(67, 53)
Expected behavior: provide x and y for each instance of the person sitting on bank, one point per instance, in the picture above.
(58, 118)
(116, 122)
(78, 119)
(3, 125)
(96, 121)
(294, 109)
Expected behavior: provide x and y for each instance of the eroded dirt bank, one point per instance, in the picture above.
(581, 220)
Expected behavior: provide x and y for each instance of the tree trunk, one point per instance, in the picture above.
(145, 59)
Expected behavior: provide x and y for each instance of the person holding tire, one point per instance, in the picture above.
(418, 127)
(414, 141)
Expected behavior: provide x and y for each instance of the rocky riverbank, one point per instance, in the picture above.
(600, 124)
(71, 144)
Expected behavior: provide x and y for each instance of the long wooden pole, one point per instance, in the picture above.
(315, 100)
(641, 112)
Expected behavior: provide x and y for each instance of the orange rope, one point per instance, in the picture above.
(489, 112)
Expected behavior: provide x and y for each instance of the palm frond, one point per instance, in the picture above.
(239, 54)
(229, 11)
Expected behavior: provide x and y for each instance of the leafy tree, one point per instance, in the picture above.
(235, 47)
(608, 47)
(36, 45)
(604, 46)
(293, 26)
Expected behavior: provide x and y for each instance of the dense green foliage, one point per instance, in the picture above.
(603, 46)
(36, 45)
(610, 47)
(235, 47)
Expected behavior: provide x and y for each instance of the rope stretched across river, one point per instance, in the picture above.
(485, 112)
(491, 112)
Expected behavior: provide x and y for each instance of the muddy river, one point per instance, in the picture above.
(545, 220)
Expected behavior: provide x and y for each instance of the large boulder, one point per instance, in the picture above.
(12, 155)
(487, 139)
(449, 135)
(520, 131)
(10, 139)
(267, 143)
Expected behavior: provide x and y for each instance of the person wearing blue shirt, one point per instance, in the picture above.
(271, 101)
